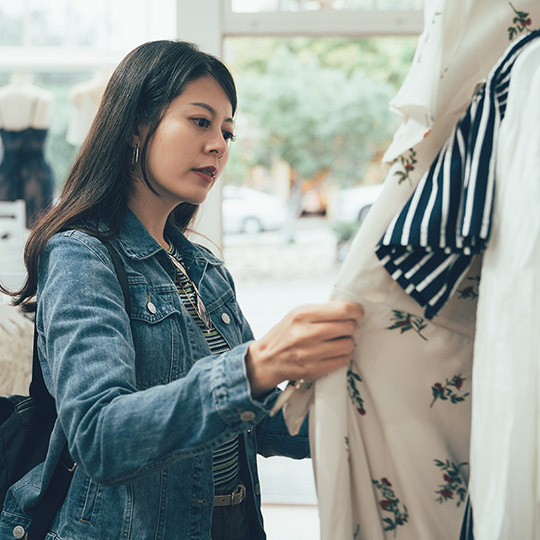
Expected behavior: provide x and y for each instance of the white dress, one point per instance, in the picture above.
(505, 454)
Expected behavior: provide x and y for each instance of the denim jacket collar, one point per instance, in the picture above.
(137, 243)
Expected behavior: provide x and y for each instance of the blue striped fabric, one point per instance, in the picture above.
(430, 243)
(226, 458)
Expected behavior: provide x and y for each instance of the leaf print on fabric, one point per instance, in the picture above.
(408, 162)
(450, 390)
(470, 291)
(522, 22)
(407, 321)
(352, 379)
(454, 487)
(356, 531)
(390, 503)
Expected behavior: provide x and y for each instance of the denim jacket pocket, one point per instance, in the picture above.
(226, 315)
(91, 500)
(157, 328)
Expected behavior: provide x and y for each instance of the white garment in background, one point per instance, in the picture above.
(390, 454)
(24, 105)
(86, 98)
(505, 451)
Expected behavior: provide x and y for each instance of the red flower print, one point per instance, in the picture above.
(406, 321)
(446, 493)
(520, 23)
(397, 514)
(361, 411)
(408, 162)
(450, 391)
(454, 487)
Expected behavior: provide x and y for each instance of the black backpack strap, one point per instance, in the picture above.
(120, 273)
(38, 390)
(56, 492)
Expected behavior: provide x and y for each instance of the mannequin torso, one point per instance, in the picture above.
(24, 105)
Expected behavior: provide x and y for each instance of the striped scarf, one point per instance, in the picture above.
(430, 243)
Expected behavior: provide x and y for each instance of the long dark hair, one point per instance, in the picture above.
(98, 186)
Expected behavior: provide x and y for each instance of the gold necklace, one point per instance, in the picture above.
(199, 307)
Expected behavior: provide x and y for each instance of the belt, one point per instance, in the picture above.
(232, 499)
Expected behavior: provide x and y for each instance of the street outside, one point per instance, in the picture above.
(273, 277)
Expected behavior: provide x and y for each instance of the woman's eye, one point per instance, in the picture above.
(202, 122)
(228, 136)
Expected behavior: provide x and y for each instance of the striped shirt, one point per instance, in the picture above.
(430, 243)
(226, 463)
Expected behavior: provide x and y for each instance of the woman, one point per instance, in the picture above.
(163, 410)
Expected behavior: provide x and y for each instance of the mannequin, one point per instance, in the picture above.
(25, 114)
(390, 435)
(24, 105)
(86, 97)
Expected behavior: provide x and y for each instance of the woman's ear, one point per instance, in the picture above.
(135, 138)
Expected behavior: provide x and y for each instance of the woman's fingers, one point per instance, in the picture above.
(336, 310)
(308, 343)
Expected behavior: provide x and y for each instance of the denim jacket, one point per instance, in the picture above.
(140, 399)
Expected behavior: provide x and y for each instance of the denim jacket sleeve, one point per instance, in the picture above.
(273, 437)
(114, 431)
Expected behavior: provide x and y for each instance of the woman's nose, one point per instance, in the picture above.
(218, 145)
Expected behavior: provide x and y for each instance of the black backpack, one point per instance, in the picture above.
(26, 423)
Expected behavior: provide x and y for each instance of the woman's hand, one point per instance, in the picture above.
(308, 343)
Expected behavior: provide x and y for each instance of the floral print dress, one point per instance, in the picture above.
(390, 434)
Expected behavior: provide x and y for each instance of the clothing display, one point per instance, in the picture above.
(430, 244)
(505, 457)
(85, 97)
(390, 434)
(24, 172)
(24, 121)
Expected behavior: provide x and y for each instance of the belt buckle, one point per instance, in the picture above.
(238, 495)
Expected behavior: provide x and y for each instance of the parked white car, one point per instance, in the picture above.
(353, 204)
(251, 211)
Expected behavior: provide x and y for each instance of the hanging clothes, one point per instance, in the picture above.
(390, 434)
(429, 245)
(24, 172)
(505, 456)
(25, 111)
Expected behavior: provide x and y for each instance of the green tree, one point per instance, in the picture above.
(321, 105)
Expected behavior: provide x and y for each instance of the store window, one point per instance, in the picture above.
(99, 25)
(255, 6)
(60, 45)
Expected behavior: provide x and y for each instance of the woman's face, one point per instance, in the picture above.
(189, 148)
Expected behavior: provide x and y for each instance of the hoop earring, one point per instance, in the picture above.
(134, 157)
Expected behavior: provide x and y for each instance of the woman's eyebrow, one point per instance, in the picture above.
(210, 109)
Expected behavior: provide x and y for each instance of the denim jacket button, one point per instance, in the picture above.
(225, 318)
(151, 308)
(19, 532)
(247, 416)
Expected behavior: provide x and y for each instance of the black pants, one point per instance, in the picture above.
(231, 523)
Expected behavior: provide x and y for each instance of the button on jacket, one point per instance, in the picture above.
(140, 399)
